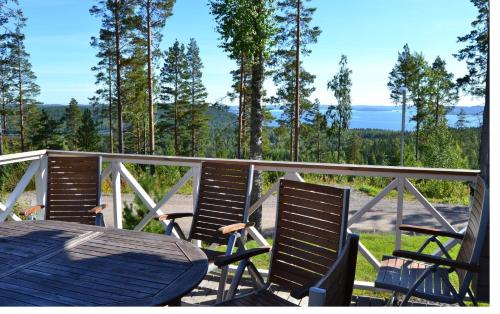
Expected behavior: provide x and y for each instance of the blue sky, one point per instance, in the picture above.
(369, 32)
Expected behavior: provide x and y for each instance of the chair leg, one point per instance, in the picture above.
(472, 297)
(179, 231)
(169, 227)
(235, 282)
(393, 300)
(225, 269)
(457, 297)
(256, 277)
(99, 220)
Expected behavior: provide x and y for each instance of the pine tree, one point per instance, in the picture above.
(6, 81)
(197, 120)
(477, 83)
(135, 96)
(118, 19)
(72, 120)
(462, 121)
(293, 37)
(442, 92)
(88, 136)
(317, 122)
(241, 90)
(174, 95)
(153, 14)
(44, 131)
(247, 28)
(411, 71)
(105, 73)
(284, 77)
(342, 112)
(25, 89)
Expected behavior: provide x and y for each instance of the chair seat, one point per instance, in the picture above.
(399, 274)
(262, 297)
(212, 254)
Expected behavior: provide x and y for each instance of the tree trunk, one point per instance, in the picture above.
(436, 115)
(292, 131)
(484, 149)
(150, 82)
(244, 117)
(21, 109)
(318, 147)
(417, 133)
(193, 131)
(338, 144)
(121, 148)
(176, 117)
(241, 109)
(256, 117)
(295, 154)
(2, 126)
(110, 105)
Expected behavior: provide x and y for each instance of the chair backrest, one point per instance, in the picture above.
(73, 188)
(311, 226)
(335, 288)
(223, 199)
(475, 233)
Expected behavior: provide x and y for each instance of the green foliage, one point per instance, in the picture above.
(44, 133)
(197, 123)
(174, 97)
(442, 93)
(72, 121)
(156, 186)
(88, 138)
(341, 114)
(476, 51)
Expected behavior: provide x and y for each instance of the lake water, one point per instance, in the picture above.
(389, 117)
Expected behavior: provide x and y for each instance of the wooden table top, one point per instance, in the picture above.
(54, 263)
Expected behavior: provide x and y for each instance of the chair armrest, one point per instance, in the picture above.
(174, 216)
(32, 210)
(226, 260)
(431, 231)
(435, 260)
(301, 292)
(235, 227)
(96, 210)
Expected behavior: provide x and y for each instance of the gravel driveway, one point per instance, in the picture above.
(381, 218)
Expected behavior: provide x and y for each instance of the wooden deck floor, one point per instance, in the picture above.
(205, 294)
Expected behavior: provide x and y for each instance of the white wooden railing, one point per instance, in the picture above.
(117, 170)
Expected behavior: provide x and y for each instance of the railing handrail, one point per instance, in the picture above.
(303, 167)
(24, 156)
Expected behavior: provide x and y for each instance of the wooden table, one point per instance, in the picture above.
(53, 263)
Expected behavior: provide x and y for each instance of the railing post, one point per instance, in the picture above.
(399, 215)
(117, 195)
(196, 184)
(41, 185)
(196, 171)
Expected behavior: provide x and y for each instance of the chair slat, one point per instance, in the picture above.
(72, 188)
(222, 200)
(309, 217)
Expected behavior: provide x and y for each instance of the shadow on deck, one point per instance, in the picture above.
(205, 294)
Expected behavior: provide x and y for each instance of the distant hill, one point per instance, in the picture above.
(57, 111)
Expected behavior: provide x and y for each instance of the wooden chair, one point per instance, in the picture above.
(335, 288)
(73, 191)
(221, 213)
(427, 276)
(311, 226)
